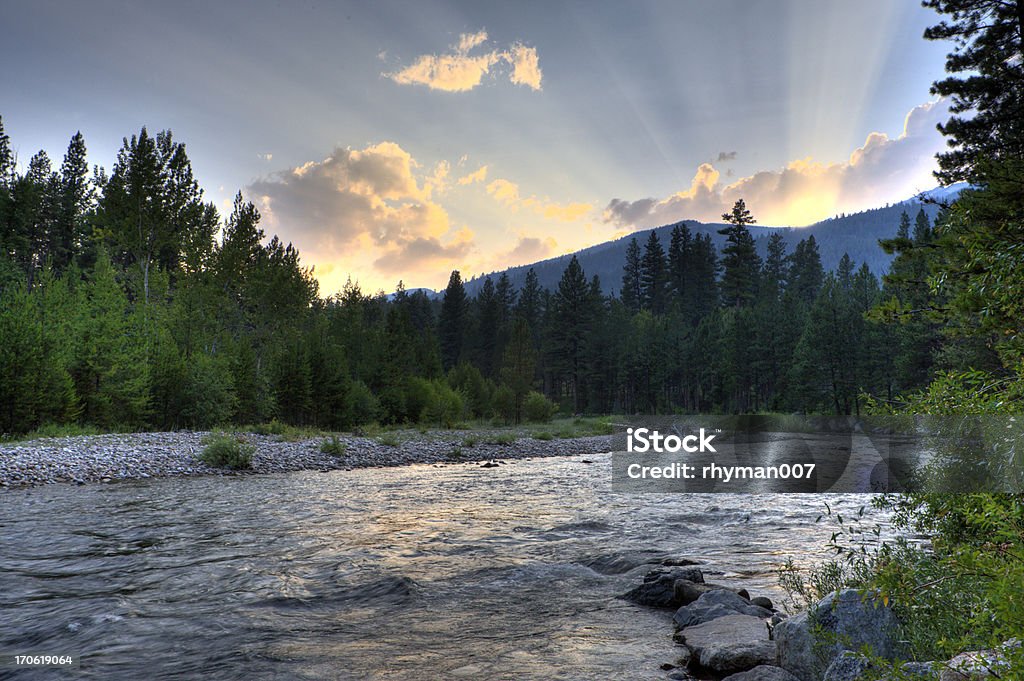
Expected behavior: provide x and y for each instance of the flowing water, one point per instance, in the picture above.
(422, 572)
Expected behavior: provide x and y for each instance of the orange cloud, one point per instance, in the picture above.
(805, 191)
(507, 193)
(460, 71)
(480, 175)
(365, 206)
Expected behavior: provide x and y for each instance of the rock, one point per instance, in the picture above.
(729, 644)
(920, 670)
(658, 589)
(687, 572)
(848, 666)
(762, 673)
(976, 665)
(762, 602)
(714, 604)
(687, 592)
(679, 562)
(810, 641)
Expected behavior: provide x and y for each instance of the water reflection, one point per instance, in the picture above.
(418, 572)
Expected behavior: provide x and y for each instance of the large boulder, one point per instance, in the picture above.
(714, 604)
(843, 620)
(848, 667)
(658, 588)
(729, 644)
(762, 673)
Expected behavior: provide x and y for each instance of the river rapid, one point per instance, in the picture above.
(418, 572)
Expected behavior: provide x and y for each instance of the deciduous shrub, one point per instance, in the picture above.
(538, 408)
(226, 451)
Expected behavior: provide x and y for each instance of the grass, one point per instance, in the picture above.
(454, 454)
(470, 441)
(389, 440)
(543, 435)
(226, 451)
(283, 431)
(57, 430)
(333, 446)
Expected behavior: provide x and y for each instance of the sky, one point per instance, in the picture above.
(401, 140)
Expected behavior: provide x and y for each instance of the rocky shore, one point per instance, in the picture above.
(728, 635)
(109, 458)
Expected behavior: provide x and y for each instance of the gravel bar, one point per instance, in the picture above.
(109, 458)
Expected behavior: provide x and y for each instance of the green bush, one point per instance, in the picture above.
(274, 427)
(538, 408)
(503, 439)
(208, 395)
(388, 440)
(467, 379)
(435, 402)
(361, 405)
(333, 446)
(226, 451)
(543, 435)
(504, 404)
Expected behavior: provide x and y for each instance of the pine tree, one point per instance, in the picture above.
(679, 254)
(632, 272)
(75, 198)
(529, 305)
(571, 325)
(6, 158)
(654, 283)
(111, 372)
(903, 231)
(519, 365)
(806, 274)
(740, 262)
(704, 294)
(453, 322)
(487, 329)
(986, 82)
(922, 228)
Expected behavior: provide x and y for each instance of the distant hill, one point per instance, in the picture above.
(856, 234)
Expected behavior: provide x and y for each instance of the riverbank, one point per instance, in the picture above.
(109, 458)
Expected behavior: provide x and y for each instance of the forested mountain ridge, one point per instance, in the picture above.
(856, 235)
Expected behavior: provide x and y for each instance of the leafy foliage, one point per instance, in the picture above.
(226, 451)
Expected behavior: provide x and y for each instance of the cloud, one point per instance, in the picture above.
(726, 156)
(364, 205)
(528, 249)
(460, 71)
(883, 169)
(265, 157)
(525, 66)
(424, 253)
(480, 175)
(507, 193)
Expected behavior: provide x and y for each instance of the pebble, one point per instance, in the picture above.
(116, 457)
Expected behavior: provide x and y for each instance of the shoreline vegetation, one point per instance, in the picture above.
(62, 456)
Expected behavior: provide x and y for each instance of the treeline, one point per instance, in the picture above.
(127, 301)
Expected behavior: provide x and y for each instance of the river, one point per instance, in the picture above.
(420, 572)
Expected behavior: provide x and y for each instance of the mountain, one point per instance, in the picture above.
(856, 234)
